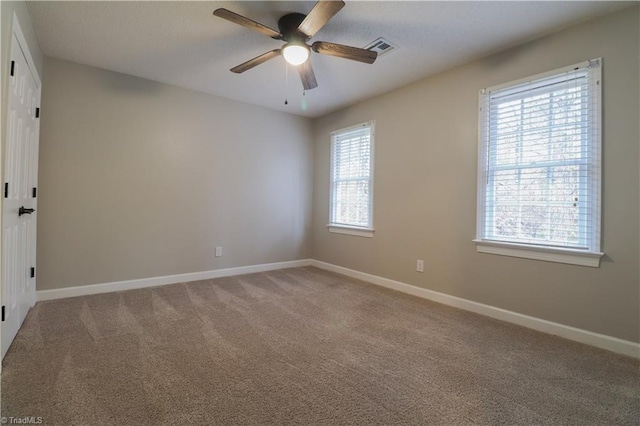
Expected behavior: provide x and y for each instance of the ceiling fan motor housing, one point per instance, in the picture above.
(288, 26)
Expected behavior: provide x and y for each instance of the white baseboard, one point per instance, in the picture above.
(85, 290)
(602, 341)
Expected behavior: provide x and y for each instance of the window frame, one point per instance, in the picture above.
(575, 256)
(347, 229)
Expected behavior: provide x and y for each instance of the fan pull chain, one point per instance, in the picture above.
(286, 81)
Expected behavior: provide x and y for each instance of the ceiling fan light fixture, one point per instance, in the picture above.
(295, 53)
(295, 29)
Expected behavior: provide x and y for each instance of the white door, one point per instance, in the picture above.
(19, 191)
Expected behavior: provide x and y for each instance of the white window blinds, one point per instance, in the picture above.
(351, 176)
(539, 160)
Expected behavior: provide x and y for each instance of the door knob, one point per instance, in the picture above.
(22, 211)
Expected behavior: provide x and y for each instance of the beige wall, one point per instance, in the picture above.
(425, 187)
(140, 179)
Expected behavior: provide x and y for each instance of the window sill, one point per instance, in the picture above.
(351, 230)
(548, 254)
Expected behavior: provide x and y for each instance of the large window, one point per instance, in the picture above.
(352, 180)
(539, 167)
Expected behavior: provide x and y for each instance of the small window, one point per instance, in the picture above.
(352, 180)
(539, 167)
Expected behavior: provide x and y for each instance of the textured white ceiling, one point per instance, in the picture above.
(183, 44)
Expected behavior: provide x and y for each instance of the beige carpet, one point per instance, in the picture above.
(301, 346)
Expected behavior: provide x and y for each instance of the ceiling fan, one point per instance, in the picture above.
(296, 29)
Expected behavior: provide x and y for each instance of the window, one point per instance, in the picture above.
(352, 180)
(539, 167)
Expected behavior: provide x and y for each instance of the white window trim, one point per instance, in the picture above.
(338, 228)
(532, 251)
(548, 254)
(351, 230)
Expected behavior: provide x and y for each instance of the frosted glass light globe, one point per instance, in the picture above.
(295, 54)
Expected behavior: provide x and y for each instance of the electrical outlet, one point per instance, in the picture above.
(218, 251)
(420, 265)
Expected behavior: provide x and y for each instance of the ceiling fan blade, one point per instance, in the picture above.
(347, 52)
(255, 61)
(319, 16)
(246, 22)
(307, 76)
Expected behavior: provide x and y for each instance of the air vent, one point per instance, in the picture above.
(382, 46)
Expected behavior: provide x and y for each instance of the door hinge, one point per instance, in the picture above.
(37, 112)
(2, 312)
(33, 272)
(34, 192)
(13, 67)
(6, 190)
